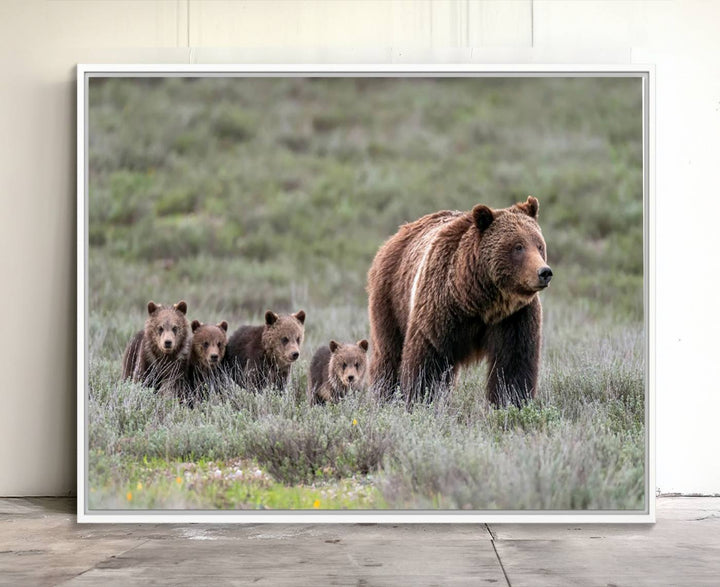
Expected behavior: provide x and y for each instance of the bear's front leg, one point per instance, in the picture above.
(141, 366)
(324, 394)
(278, 378)
(513, 353)
(423, 370)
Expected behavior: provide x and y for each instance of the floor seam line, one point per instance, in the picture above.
(497, 555)
(490, 531)
(123, 553)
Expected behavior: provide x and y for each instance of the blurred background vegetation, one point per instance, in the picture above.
(239, 195)
(273, 186)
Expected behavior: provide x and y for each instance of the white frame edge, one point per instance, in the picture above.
(646, 71)
(81, 358)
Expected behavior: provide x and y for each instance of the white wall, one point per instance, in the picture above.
(40, 43)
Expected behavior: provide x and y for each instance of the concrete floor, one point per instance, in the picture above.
(40, 544)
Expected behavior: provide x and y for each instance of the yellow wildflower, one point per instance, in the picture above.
(316, 505)
(178, 480)
(139, 486)
(129, 496)
(354, 423)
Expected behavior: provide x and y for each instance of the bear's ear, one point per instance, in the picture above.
(363, 344)
(300, 316)
(223, 325)
(483, 216)
(334, 346)
(530, 207)
(270, 318)
(195, 325)
(153, 307)
(181, 306)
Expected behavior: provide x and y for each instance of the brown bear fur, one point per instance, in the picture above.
(335, 370)
(157, 356)
(258, 357)
(453, 288)
(207, 351)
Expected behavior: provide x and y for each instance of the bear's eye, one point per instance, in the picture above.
(174, 329)
(298, 340)
(206, 344)
(519, 247)
(219, 345)
(540, 248)
(160, 330)
(285, 340)
(344, 366)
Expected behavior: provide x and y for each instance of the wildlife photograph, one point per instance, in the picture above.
(317, 293)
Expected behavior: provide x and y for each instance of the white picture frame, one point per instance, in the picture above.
(85, 515)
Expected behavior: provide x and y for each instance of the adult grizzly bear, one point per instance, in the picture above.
(157, 356)
(258, 357)
(453, 288)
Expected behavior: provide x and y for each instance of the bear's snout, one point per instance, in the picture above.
(351, 379)
(545, 275)
(294, 356)
(214, 358)
(168, 344)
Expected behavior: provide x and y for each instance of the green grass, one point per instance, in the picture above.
(239, 196)
(238, 484)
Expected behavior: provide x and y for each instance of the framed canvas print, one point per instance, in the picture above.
(368, 293)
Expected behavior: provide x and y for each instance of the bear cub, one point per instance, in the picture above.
(157, 356)
(207, 351)
(258, 357)
(335, 370)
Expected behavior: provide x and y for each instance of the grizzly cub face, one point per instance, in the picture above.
(166, 329)
(282, 337)
(208, 344)
(347, 365)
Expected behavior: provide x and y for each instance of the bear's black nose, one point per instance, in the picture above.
(294, 356)
(351, 378)
(214, 358)
(168, 344)
(545, 274)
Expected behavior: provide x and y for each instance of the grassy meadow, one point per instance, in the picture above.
(242, 195)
